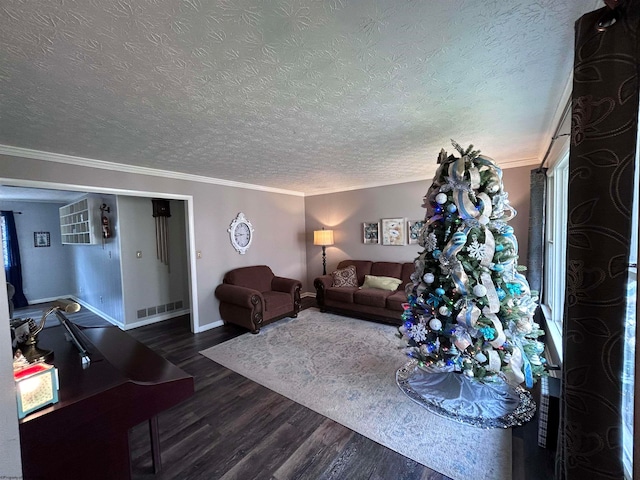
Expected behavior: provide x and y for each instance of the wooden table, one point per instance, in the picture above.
(85, 434)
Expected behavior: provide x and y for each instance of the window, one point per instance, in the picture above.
(5, 245)
(556, 253)
(628, 372)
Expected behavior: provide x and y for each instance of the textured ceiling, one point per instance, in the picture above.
(302, 95)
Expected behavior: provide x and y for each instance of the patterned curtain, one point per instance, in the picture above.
(601, 173)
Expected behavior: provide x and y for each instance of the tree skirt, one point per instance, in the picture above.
(494, 404)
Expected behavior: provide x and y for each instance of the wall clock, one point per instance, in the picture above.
(241, 233)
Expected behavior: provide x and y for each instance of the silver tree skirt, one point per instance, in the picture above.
(494, 404)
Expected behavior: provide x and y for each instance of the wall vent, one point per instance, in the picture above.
(170, 307)
(161, 308)
(178, 304)
(151, 311)
(142, 313)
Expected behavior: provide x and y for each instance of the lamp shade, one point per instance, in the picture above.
(323, 237)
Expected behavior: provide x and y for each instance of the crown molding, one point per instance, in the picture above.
(120, 167)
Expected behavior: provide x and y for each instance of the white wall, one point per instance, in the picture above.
(147, 282)
(345, 212)
(44, 269)
(11, 464)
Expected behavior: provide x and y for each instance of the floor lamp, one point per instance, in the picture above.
(323, 237)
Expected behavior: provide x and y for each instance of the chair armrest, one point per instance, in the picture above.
(286, 285)
(241, 296)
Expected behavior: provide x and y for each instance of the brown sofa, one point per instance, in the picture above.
(253, 297)
(367, 303)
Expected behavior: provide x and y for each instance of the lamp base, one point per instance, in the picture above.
(34, 354)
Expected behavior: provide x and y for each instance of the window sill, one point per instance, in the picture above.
(553, 337)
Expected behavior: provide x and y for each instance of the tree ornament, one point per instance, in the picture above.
(441, 198)
(435, 324)
(444, 311)
(479, 290)
(451, 208)
(428, 278)
(459, 238)
(476, 250)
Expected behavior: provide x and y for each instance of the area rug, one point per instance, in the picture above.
(344, 369)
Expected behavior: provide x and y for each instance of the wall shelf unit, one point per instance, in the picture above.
(79, 221)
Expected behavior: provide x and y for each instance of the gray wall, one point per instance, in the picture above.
(44, 269)
(147, 282)
(278, 219)
(96, 271)
(345, 212)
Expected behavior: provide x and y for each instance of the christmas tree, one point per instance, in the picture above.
(470, 308)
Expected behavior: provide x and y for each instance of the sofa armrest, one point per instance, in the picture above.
(240, 296)
(286, 285)
(325, 281)
(321, 284)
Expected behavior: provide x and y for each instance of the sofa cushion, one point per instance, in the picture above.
(384, 283)
(396, 299)
(363, 267)
(345, 277)
(386, 269)
(407, 270)
(276, 303)
(373, 297)
(340, 294)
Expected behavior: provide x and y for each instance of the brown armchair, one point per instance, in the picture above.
(253, 296)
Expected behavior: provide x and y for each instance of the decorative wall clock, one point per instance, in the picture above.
(241, 233)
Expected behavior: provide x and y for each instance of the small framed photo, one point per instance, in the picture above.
(414, 227)
(393, 231)
(370, 235)
(41, 239)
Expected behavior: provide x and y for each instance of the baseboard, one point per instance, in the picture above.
(209, 326)
(157, 318)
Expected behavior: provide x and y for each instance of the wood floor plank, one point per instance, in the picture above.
(235, 428)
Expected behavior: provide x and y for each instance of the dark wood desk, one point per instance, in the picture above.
(85, 434)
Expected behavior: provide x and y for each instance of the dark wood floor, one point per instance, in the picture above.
(233, 428)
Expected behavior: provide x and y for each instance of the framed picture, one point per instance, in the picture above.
(393, 231)
(41, 239)
(414, 227)
(370, 233)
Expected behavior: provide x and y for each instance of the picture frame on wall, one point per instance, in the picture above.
(414, 227)
(393, 231)
(371, 233)
(41, 239)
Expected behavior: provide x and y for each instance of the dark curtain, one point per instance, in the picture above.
(13, 271)
(535, 252)
(601, 174)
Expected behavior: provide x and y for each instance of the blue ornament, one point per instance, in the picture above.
(440, 291)
(451, 208)
(408, 325)
(436, 253)
(499, 248)
(508, 230)
(501, 294)
(498, 268)
(459, 238)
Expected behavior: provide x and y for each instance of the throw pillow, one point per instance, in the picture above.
(345, 277)
(384, 283)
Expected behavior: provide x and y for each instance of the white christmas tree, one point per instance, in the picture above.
(470, 308)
